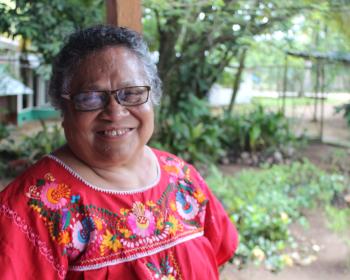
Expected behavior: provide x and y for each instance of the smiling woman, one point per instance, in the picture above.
(106, 205)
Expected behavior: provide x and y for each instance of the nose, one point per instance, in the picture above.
(114, 109)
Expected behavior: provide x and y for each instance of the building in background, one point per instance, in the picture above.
(21, 101)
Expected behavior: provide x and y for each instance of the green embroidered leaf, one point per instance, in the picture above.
(40, 182)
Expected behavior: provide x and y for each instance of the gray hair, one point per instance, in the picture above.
(86, 41)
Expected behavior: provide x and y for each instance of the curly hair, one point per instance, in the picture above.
(86, 41)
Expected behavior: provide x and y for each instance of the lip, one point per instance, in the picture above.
(114, 133)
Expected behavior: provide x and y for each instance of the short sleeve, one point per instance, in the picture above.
(218, 227)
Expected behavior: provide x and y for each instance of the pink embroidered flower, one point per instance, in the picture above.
(141, 221)
(55, 196)
(186, 205)
(174, 168)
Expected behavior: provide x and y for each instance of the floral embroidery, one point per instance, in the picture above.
(55, 195)
(110, 242)
(167, 270)
(89, 234)
(141, 221)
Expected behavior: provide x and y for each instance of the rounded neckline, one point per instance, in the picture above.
(108, 189)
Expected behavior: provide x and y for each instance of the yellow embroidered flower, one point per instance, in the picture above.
(124, 211)
(199, 195)
(160, 223)
(150, 203)
(63, 237)
(36, 208)
(187, 174)
(49, 177)
(175, 226)
(169, 277)
(110, 242)
(98, 223)
(125, 232)
(173, 206)
(172, 169)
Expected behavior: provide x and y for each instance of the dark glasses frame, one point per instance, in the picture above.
(114, 93)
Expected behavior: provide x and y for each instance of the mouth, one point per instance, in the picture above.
(115, 132)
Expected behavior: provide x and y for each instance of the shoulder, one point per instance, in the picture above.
(39, 171)
(176, 167)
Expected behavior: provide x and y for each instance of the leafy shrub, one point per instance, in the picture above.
(17, 155)
(42, 143)
(255, 131)
(4, 131)
(192, 133)
(345, 109)
(263, 203)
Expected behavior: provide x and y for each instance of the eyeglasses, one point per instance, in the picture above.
(94, 99)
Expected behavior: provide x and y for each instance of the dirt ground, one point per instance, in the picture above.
(332, 262)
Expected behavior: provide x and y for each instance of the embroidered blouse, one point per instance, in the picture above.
(55, 225)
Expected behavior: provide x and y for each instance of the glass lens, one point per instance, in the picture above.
(132, 95)
(92, 100)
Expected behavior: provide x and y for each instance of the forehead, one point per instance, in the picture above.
(109, 67)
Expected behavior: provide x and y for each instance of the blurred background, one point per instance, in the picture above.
(256, 94)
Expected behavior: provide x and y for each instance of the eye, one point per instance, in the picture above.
(133, 95)
(89, 100)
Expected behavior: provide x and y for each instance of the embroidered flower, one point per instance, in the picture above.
(55, 196)
(174, 168)
(141, 221)
(173, 206)
(81, 233)
(98, 223)
(110, 242)
(150, 203)
(199, 195)
(49, 177)
(174, 224)
(187, 206)
(125, 232)
(168, 277)
(160, 223)
(63, 237)
(33, 192)
(124, 212)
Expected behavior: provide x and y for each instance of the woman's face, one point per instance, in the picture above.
(115, 134)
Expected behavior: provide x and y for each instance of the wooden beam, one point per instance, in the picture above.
(124, 13)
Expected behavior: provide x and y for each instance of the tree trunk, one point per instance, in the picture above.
(237, 80)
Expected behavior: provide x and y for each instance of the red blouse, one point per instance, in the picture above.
(55, 225)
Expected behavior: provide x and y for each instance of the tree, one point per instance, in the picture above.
(42, 24)
(198, 39)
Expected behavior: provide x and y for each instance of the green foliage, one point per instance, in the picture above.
(17, 155)
(42, 143)
(197, 136)
(196, 39)
(263, 203)
(345, 109)
(44, 23)
(256, 130)
(338, 219)
(192, 133)
(4, 131)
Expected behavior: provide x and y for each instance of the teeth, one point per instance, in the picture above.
(116, 132)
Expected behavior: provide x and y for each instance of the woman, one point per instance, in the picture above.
(105, 205)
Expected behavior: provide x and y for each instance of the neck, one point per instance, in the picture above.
(140, 172)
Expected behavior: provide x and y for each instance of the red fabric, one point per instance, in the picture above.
(54, 225)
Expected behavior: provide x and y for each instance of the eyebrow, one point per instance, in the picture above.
(123, 84)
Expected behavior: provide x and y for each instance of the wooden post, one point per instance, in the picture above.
(124, 13)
